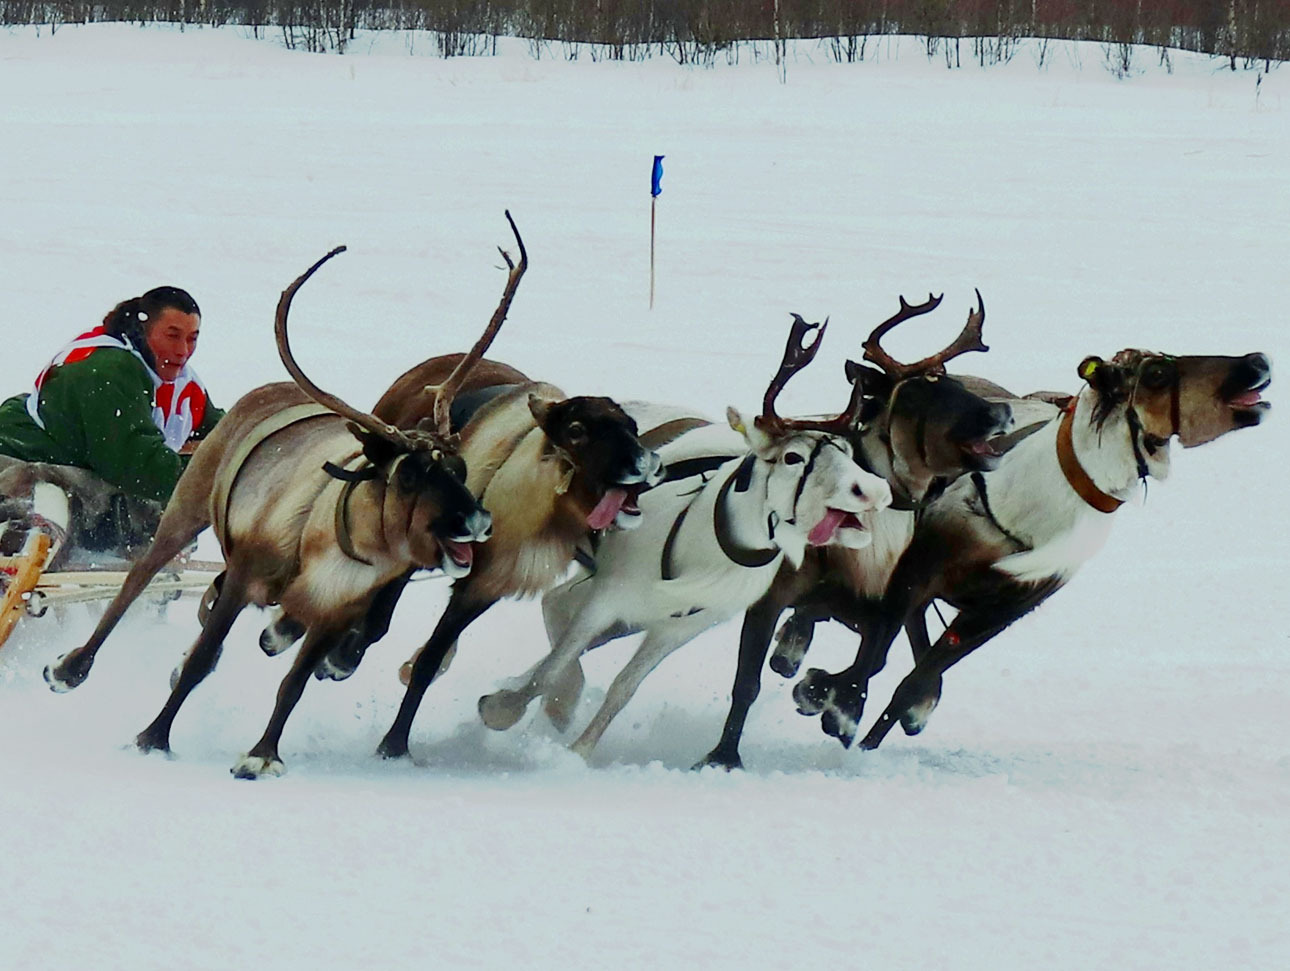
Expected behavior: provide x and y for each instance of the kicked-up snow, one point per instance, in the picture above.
(1104, 785)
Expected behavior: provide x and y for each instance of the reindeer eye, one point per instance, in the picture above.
(1157, 374)
(793, 458)
(576, 431)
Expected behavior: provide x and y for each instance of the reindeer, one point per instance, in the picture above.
(921, 430)
(551, 469)
(997, 544)
(706, 548)
(316, 506)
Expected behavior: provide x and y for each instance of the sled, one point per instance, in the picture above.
(29, 591)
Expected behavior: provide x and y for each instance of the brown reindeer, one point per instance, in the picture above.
(316, 506)
(551, 469)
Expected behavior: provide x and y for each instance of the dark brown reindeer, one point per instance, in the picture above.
(997, 544)
(921, 429)
(316, 506)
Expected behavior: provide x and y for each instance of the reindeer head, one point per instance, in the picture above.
(609, 467)
(815, 492)
(426, 502)
(932, 426)
(1197, 398)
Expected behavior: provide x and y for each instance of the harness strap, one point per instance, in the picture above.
(222, 488)
(743, 555)
(344, 539)
(1080, 480)
(660, 435)
(978, 480)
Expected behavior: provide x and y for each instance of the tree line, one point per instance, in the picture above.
(1246, 33)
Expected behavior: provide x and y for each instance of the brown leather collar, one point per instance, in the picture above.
(1079, 479)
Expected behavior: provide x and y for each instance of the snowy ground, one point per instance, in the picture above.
(1103, 786)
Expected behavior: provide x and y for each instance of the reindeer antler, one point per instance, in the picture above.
(446, 391)
(797, 354)
(361, 418)
(969, 339)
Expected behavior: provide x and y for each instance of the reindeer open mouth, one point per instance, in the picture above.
(458, 557)
(834, 521)
(1250, 400)
(619, 506)
(1242, 391)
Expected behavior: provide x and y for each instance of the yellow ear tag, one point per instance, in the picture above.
(1088, 366)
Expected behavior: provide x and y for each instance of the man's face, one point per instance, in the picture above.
(172, 340)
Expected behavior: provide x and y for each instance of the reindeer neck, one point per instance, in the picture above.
(873, 452)
(724, 525)
(1028, 507)
(1105, 453)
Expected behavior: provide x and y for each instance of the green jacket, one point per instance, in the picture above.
(98, 416)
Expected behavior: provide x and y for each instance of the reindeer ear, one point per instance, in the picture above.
(873, 383)
(539, 408)
(1088, 367)
(749, 429)
(379, 451)
(737, 422)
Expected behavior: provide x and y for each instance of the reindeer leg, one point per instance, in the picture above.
(200, 662)
(658, 644)
(263, 758)
(754, 642)
(460, 613)
(917, 695)
(176, 532)
(792, 641)
(348, 650)
(569, 637)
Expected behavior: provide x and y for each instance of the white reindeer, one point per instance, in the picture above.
(708, 546)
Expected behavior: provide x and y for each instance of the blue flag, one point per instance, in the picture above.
(656, 180)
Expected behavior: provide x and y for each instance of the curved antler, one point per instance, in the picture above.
(969, 339)
(448, 389)
(797, 354)
(361, 418)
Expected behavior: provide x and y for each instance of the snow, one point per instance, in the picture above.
(1103, 785)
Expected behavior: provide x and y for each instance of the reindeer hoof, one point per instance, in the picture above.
(717, 760)
(502, 709)
(257, 767)
(391, 748)
(840, 725)
(152, 740)
(62, 676)
(280, 635)
(791, 644)
(813, 693)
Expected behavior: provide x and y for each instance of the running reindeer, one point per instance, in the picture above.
(710, 544)
(997, 544)
(921, 430)
(552, 470)
(316, 506)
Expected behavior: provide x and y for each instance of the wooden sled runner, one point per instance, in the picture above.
(29, 591)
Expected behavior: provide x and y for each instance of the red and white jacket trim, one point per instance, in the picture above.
(178, 406)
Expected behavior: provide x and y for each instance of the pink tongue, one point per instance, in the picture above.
(607, 508)
(826, 527)
(1246, 398)
(461, 553)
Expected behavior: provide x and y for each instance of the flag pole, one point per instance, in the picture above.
(653, 204)
(655, 187)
